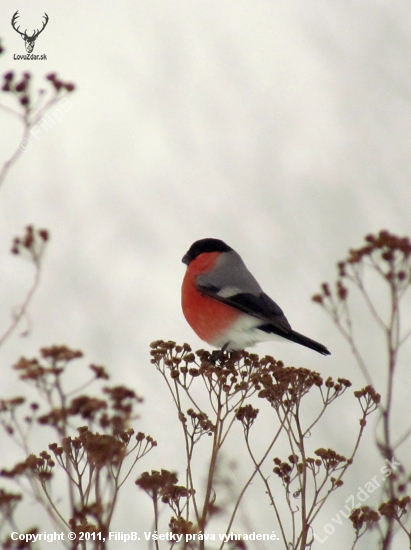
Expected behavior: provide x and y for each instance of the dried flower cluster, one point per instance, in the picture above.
(32, 105)
(388, 256)
(96, 458)
(30, 246)
(60, 85)
(242, 374)
(363, 518)
(231, 382)
(20, 87)
(163, 486)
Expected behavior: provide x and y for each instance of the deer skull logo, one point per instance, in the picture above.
(28, 40)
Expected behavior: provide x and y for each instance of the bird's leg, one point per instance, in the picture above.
(221, 354)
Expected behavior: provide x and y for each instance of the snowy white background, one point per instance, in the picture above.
(282, 127)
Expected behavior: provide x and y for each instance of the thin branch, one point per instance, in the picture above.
(23, 308)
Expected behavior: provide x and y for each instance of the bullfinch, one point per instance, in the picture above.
(224, 304)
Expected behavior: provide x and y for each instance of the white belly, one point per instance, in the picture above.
(244, 334)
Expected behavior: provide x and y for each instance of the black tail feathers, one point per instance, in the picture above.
(296, 337)
(307, 342)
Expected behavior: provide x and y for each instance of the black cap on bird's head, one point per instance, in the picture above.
(202, 246)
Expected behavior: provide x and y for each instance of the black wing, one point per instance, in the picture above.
(260, 306)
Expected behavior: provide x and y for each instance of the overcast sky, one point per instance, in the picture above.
(282, 127)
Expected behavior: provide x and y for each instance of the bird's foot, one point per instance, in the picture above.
(221, 355)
